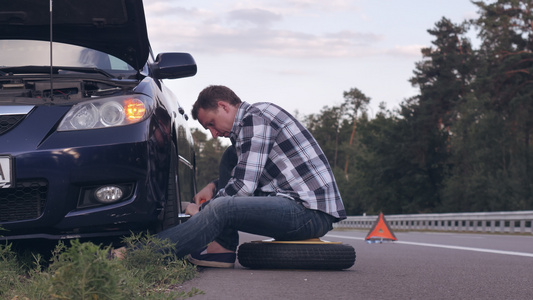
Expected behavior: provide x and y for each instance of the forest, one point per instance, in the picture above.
(462, 144)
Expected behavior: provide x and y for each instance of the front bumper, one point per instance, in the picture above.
(50, 181)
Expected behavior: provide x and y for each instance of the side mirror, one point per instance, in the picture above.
(174, 65)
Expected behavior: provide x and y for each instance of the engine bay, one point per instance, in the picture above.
(64, 89)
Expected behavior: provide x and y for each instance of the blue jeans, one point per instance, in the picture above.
(272, 216)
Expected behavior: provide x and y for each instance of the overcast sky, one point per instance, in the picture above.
(300, 54)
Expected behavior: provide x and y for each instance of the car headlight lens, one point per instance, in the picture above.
(108, 112)
(112, 114)
(86, 116)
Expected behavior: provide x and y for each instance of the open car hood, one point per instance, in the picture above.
(116, 27)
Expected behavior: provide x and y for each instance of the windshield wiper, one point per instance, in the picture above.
(86, 70)
(46, 70)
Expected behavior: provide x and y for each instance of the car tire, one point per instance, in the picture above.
(172, 207)
(279, 255)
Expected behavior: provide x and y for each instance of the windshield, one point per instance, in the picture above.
(16, 53)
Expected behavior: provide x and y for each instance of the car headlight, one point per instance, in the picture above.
(108, 112)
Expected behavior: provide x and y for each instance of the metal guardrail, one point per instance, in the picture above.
(498, 222)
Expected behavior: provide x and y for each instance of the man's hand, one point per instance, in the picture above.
(204, 194)
(192, 209)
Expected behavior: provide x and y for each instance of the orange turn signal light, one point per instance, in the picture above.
(134, 109)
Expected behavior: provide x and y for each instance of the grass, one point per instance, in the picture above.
(85, 271)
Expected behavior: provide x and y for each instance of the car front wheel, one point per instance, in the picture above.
(172, 206)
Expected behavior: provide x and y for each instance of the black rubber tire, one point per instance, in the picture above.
(325, 256)
(172, 206)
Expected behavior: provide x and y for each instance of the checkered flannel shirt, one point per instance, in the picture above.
(277, 155)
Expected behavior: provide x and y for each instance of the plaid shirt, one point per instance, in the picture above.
(277, 155)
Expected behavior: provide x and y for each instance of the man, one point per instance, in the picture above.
(281, 184)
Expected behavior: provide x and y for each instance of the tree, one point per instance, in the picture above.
(354, 101)
(443, 78)
(491, 143)
(326, 130)
(461, 144)
(209, 152)
(378, 166)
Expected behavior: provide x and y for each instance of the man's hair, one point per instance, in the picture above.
(209, 97)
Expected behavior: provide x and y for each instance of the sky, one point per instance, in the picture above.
(300, 54)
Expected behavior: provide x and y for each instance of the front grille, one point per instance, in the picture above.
(25, 201)
(7, 122)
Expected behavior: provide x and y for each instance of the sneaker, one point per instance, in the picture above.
(214, 260)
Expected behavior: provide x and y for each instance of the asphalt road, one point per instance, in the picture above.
(417, 266)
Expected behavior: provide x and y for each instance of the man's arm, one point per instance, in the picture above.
(255, 142)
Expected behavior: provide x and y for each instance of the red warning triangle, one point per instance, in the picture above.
(381, 230)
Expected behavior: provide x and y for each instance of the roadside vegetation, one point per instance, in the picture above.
(86, 271)
(462, 143)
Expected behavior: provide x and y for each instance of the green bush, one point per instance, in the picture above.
(11, 274)
(83, 271)
(152, 267)
(86, 271)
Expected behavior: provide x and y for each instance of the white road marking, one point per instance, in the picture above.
(345, 237)
(525, 254)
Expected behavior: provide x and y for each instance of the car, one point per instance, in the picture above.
(92, 142)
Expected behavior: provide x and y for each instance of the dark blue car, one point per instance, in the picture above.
(92, 143)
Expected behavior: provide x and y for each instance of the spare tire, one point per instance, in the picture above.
(293, 255)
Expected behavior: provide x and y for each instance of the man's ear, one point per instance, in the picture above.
(224, 105)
